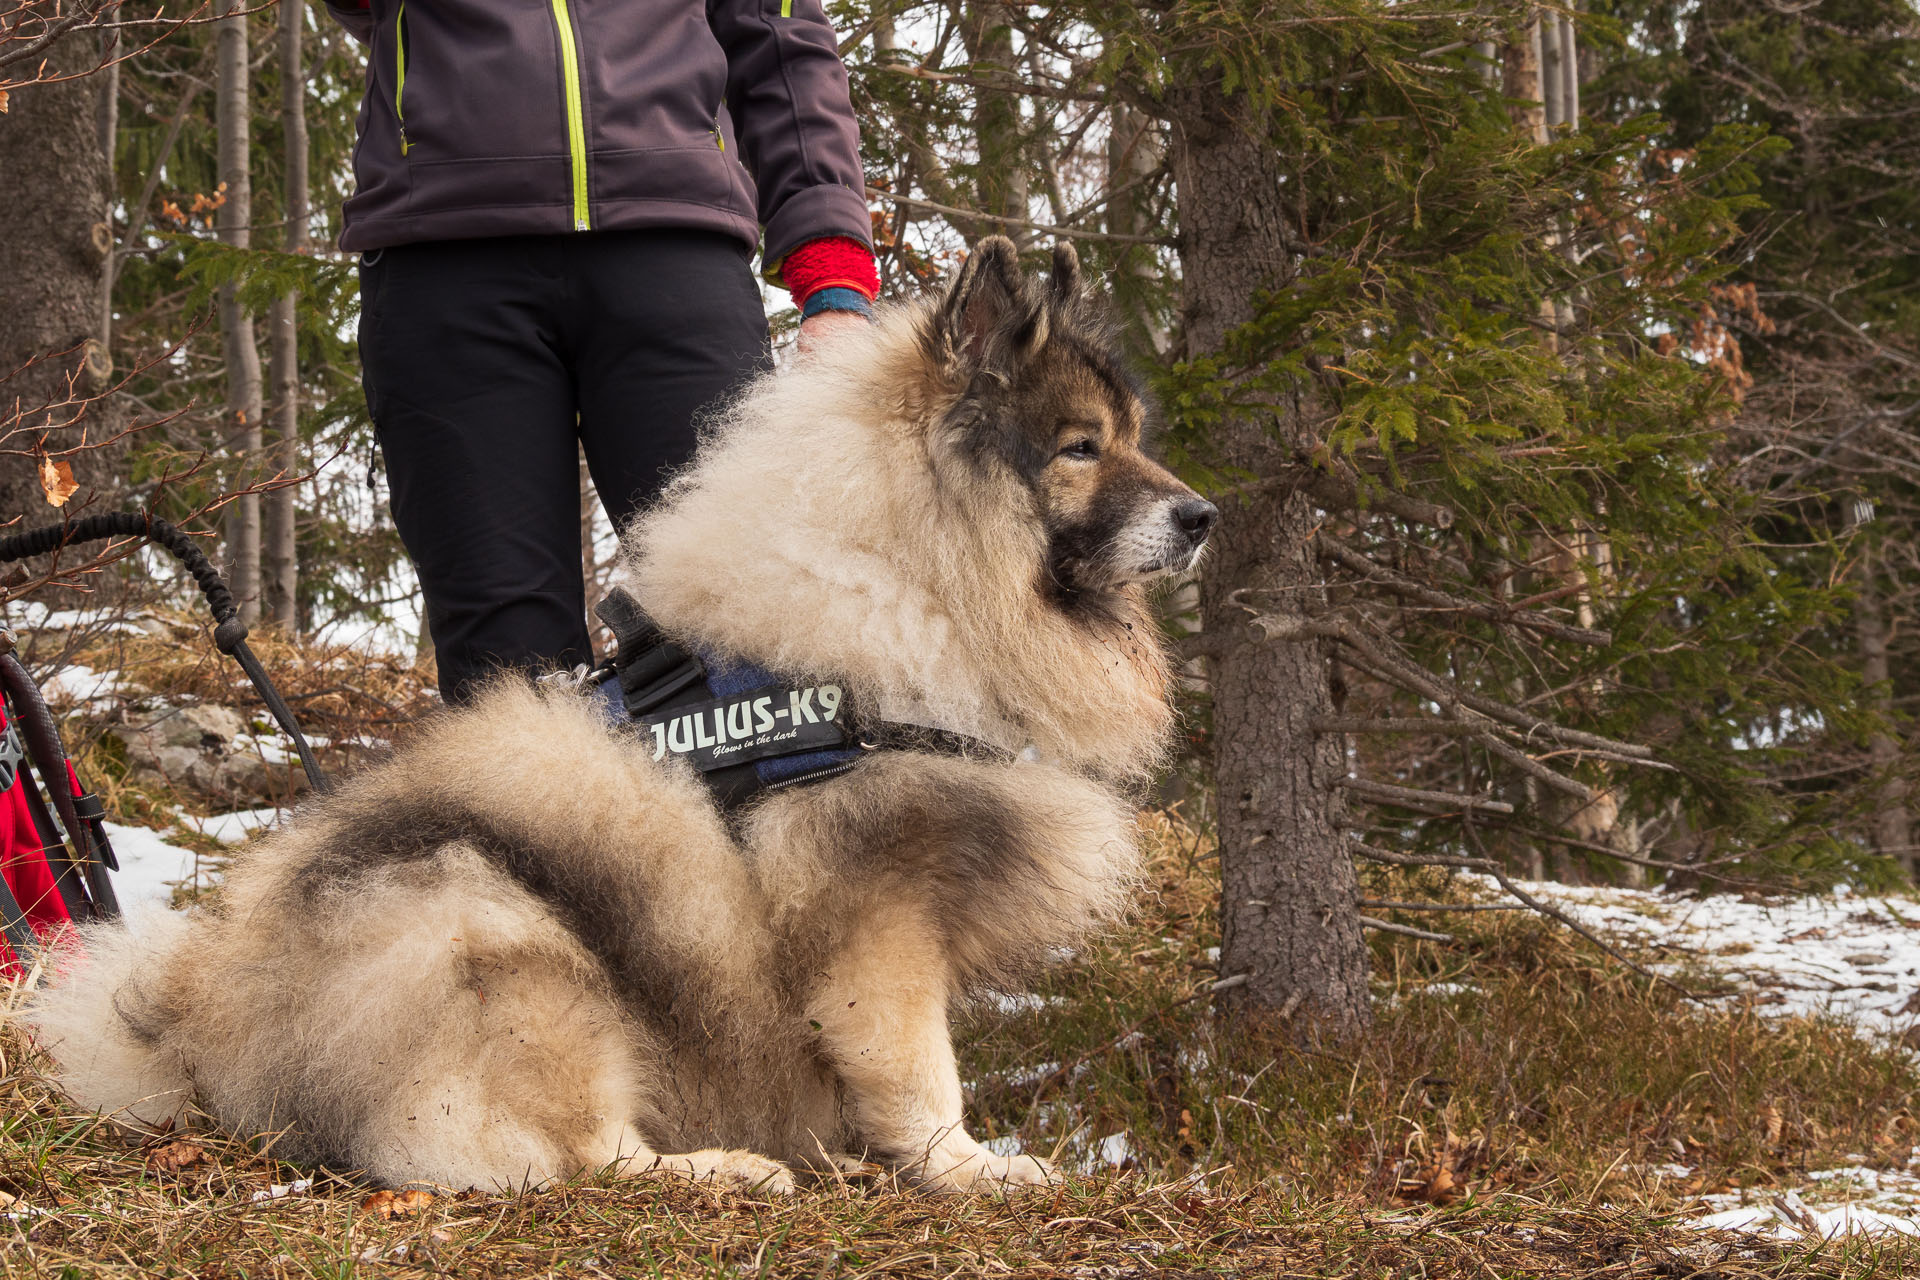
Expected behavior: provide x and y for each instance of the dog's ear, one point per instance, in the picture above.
(1066, 281)
(991, 317)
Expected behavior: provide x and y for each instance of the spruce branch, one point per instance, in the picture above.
(1414, 678)
(972, 215)
(1375, 574)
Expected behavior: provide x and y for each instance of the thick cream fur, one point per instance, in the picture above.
(521, 949)
(833, 525)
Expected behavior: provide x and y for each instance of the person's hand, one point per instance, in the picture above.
(826, 327)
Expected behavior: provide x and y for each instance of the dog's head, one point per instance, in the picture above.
(1047, 403)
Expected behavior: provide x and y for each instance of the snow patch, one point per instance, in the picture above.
(1114, 1150)
(75, 685)
(1844, 956)
(1021, 1002)
(233, 828)
(150, 867)
(281, 1190)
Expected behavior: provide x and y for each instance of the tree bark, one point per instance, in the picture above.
(1890, 826)
(280, 557)
(1134, 152)
(1521, 80)
(53, 251)
(987, 31)
(1552, 70)
(1289, 899)
(107, 124)
(234, 224)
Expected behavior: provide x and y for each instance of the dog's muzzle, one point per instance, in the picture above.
(1195, 518)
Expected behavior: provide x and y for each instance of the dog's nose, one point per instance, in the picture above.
(1195, 517)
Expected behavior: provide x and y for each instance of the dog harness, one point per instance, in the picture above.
(744, 729)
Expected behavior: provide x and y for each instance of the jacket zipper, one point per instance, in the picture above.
(400, 73)
(576, 116)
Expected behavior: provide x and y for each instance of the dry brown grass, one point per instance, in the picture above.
(88, 1204)
(1518, 1059)
(1503, 1119)
(352, 699)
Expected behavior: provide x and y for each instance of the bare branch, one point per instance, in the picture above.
(1339, 493)
(1553, 912)
(1534, 769)
(1419, 680)
(1379, 575)
(1074, 233)
(1439, 728)
(1368, 922)
(1413, 798)
(1361, 849)
(1375, 905)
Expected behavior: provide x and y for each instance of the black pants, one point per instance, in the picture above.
(490, 363)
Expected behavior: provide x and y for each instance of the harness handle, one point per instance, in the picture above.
(229, 633)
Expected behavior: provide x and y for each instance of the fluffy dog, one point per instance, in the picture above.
(523, 949)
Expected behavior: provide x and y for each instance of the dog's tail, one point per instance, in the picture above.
(90, 1017)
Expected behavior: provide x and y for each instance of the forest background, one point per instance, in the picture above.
(1556, 369)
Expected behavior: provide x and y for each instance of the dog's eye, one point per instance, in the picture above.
(1081, 449)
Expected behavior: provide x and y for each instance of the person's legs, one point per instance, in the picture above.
(667, 324)
(473, 405)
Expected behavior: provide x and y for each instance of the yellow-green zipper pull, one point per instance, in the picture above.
(400, 73)
(576, 115)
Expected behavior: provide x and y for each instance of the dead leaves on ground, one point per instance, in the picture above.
(172, 1157)
(1439, 1177)
(396, 1204)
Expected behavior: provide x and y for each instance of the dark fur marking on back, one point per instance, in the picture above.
(363, 839)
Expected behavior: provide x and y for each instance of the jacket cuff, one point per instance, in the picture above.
(837, 262)
(836, 299)
(814, 213)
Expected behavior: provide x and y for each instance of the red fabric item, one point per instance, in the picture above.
(834, 263)
(24, 864)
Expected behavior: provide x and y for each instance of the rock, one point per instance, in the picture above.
(206, 751)
(203, 726)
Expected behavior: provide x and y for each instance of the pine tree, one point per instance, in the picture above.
(1818, 327)
(1477, 526)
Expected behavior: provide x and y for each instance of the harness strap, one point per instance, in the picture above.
(745, 730)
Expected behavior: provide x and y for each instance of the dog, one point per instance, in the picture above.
(523, 949)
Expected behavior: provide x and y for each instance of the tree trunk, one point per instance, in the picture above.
(1288, 893)
(987, 31)
(242, 423)
(279, 534)
(1133, 153)
(53, 252)
(107, 125)
(1891, 829)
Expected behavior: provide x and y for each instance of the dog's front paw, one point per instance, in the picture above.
(951, 1168)
(739, 1170)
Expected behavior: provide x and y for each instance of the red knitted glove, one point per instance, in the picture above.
(835, 263)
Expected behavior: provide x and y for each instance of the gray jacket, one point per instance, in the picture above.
(512, 117)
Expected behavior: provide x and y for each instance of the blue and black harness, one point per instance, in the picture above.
(744, 729)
